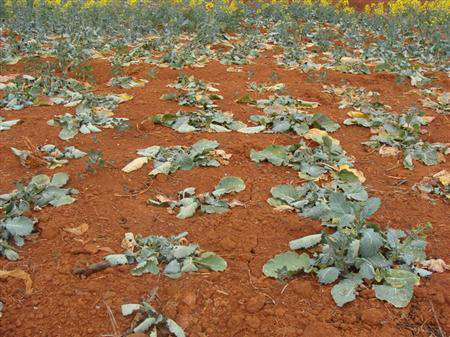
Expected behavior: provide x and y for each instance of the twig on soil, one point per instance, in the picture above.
(393, 167)
(91, 269)
(441, 331)
(394, 177)
(258, 290)
(285, 286)
(133, 195)
(114, 325)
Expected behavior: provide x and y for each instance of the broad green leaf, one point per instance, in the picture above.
(305, 242)
(399, 278)
(163, 168)
(173, 267)
(116, 259)
(19, 225)
(275, 154)
(287, 193)
(128, 309)
(188, 210)
(189, 265)
(212, 209)
(181, 252)
(211, 261)
(148, 266)
(40, 180)
(398, 297)
(174, 328)
(252, 129)
(370, 243)
(344, 291)
(289, 261)
(145, 325)
(150, 152)
(59, 179)
(372, 205)
(203, 146)
(62, 201)
(66, 134)
(328, 275)
(229, 185)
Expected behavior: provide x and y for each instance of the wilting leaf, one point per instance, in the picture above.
(136, 164)
(436, 265)
(80, 230)
(19, 274)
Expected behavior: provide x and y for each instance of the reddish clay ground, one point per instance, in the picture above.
(240, 301)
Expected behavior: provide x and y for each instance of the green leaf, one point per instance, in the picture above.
(212, 209)
(40, 180)
(145, 325)
(399, 278)
(163, 168)
(345, 291)
(211, 261)
(59, 179)
(323, 122)
(305, 242)
(150, 152)
(398, 297)
(62, 201)
(66, 134)
(251, 129)
(180, 252)
(19, 225)
(173, 268)
(148, 266)
(372, 205)
(275, 154)
(174, 328)
(290, 261)
(287, 193)
(188, 210)
(229, 185)
(116, 259)
(328, 275)
(370, 243)
(128, 309)
(203, 146)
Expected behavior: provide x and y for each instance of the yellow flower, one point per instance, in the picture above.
(209, 6)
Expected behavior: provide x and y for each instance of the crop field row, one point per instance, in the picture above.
(224, 168)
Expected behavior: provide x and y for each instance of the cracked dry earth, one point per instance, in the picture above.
(240, 301)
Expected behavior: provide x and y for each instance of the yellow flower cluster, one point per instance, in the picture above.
(400, 7)
(391, 7)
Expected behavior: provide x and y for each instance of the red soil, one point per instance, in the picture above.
(240, 301)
